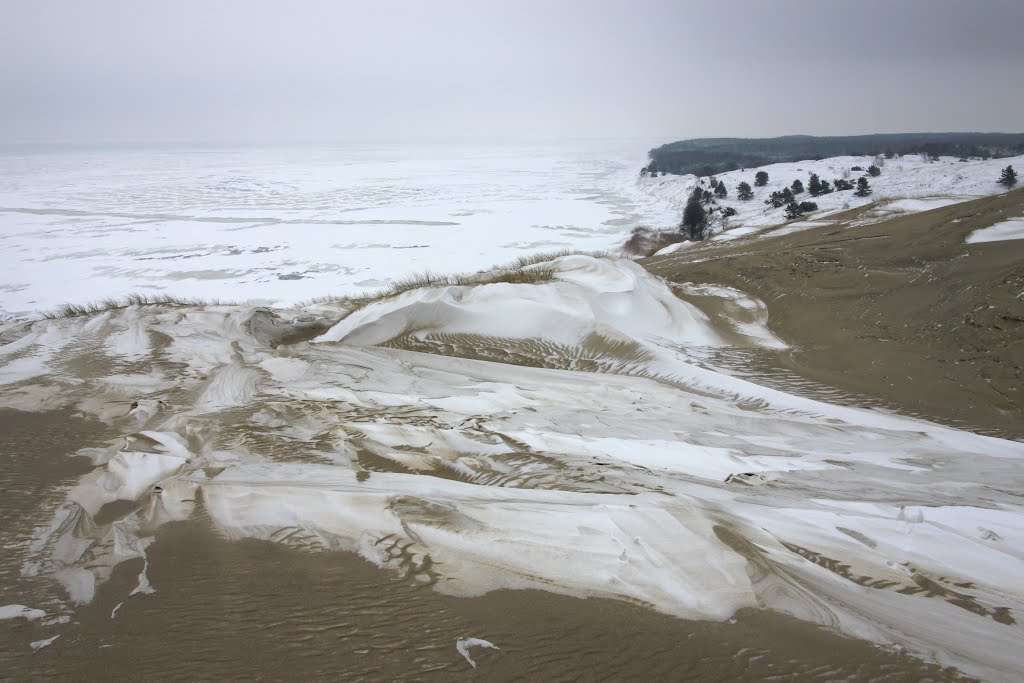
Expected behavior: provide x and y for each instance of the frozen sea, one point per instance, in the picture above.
(278, 225)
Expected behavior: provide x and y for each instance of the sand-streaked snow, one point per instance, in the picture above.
(468, 475)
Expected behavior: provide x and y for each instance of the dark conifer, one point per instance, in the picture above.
(1008, 177)
(814, 185)
(863, 188)
(695, 219)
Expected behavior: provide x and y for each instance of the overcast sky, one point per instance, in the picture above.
(208, 70)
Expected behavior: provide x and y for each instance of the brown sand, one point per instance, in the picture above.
(902, 310)
(256, 610)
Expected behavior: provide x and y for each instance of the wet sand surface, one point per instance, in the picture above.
(252, 609)
(901, 313)
(36, 466)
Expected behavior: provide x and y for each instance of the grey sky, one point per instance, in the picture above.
(210, 70)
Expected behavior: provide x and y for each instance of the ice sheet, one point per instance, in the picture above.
(283, 225)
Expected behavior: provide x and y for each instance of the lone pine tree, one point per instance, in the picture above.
(695, 218)
(1008, 177)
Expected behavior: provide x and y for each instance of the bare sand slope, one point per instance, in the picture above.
(901, 309)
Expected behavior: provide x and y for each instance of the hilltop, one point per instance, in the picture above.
(719, 155)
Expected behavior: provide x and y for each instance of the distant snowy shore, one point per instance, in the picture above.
(906, 184)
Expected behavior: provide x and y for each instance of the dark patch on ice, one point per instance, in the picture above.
(13, 288)
(179, 257)
(251, 221)
(205, 274)
(291, 276)
(536, 245)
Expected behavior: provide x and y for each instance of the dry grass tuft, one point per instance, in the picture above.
(646, 242)
(75, 310)
(522, 270)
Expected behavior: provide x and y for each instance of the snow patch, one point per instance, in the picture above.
(463, 645)
(20, 612)
(40, 644)
(1007, 230)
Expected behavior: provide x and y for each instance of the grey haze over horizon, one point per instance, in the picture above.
(233, 71)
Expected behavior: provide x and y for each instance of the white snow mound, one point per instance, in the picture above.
(613, 298)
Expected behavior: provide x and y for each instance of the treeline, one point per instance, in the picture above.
(707, 156)
(702, 215)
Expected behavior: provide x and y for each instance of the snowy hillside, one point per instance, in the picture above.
(907, 184)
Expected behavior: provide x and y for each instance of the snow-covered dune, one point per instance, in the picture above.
(652, 480)
(616, 299)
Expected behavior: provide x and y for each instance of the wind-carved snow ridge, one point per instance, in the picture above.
(615, 299)
(546, 436)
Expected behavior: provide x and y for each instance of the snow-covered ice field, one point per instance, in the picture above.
(280, 225)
